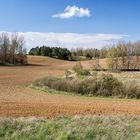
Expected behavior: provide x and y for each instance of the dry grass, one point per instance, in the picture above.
(71, 128)
(18, 100)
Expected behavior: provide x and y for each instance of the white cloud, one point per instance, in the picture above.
(69, 40)
(73, 11)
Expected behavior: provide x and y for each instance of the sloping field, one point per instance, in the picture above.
(18, 100)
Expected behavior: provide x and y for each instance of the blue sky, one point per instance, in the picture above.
(116, 17)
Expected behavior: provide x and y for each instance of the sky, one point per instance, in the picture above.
(71, 23)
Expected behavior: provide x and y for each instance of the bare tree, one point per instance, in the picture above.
(4, 39)
(14, 46)
(21, 49)
(12, 51)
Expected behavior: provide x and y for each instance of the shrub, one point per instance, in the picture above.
(110, 86)
(83, 72)
(78, 68)
(105, 85)
(132, 90)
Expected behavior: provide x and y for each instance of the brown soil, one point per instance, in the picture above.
(17, 100)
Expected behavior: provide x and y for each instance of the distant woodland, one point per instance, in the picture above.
(56, 52)
(122, 56)
(12, 50)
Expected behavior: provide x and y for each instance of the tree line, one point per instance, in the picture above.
(118, 50)
(122, 56)
(12, 50)
(57, 52)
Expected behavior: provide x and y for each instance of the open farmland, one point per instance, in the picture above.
(16, 99)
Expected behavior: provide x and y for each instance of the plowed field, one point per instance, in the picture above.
(17, 100)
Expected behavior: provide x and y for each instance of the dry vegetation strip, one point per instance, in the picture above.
(18, 100)
(71, 128)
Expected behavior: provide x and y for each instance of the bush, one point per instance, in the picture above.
(132, 90)
(83, 72)
(105, 85)
(78, 68)
(110, 86)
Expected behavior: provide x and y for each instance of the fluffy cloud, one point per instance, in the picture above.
(69, 40)
(73, 11)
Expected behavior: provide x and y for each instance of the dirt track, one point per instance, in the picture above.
(17, 100)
